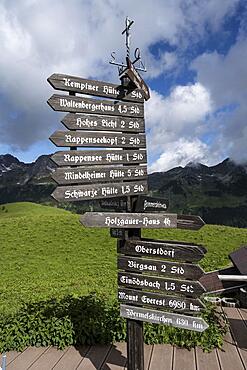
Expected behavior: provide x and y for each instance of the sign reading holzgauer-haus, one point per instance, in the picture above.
(136, 220)
(96, 88)
(78, 104)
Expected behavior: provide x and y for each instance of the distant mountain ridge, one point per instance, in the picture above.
(217, 193)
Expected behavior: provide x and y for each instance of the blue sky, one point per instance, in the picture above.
(195, 53)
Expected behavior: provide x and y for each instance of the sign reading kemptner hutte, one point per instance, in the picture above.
(156, 278)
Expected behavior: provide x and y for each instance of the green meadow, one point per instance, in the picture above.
(46, 252)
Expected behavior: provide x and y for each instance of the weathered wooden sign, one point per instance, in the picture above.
(85, 175)
(99, 157)
(129, 220)
(76, 104)
(151, 204)
(96, 88)
(97, 191)
(117, 233)
(182, 287)
(135, 220)
(190, 222)
(116, 203)
(98, 139)
(150, 299)
(165, 318)
(174, 269)
(170, 250)
(135, 77)
(75, 121)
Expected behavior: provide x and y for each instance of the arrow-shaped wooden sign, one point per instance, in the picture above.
(129, 220)
(75, 121)
(169, 250)
(162, 317)
(138, 220)
(75, 193)
(190, 222)
(171, 286)
(99, 157)
(165, 268)
(174, 303)
(135, 77)
(98, 139)
(76, 104)
(86, 175)
(96, 88)
(151, 204)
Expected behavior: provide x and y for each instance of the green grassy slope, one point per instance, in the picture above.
(46, 252)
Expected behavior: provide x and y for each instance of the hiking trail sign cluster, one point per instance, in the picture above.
(100, 173)
(157, 280)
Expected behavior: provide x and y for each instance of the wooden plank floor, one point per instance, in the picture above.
(233, 356)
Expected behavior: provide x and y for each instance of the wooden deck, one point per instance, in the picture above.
(157, 357)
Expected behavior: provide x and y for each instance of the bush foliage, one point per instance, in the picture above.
(91, 319)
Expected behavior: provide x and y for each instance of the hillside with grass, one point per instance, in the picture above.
(46, 252)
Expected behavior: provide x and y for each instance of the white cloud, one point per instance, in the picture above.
(225, 77)
(38, 38)
(179, 115)
(180, 153)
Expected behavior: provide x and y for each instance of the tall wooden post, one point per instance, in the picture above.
(135, 343)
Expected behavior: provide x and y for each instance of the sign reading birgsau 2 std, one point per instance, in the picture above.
(98, 139)
(76, 121)
(78, 104)
(99, 157)
(165, 318)
(96, 88)
(98, 191)
(84, 175)
(165, 268)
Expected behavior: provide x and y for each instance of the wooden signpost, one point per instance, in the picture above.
(152, 273)
(183, 287)
(96, 139)
(151, 204)
(84, 175)
(140, 220)
(169, 250)
(98, 191)
(167, 268)
(65, 103)
(96, 88)
(155, 300)
(103, 123)
(99, 157)
(165, 318)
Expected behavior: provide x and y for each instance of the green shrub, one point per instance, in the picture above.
(89, 320)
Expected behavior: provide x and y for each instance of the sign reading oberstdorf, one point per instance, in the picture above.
(157, 280)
